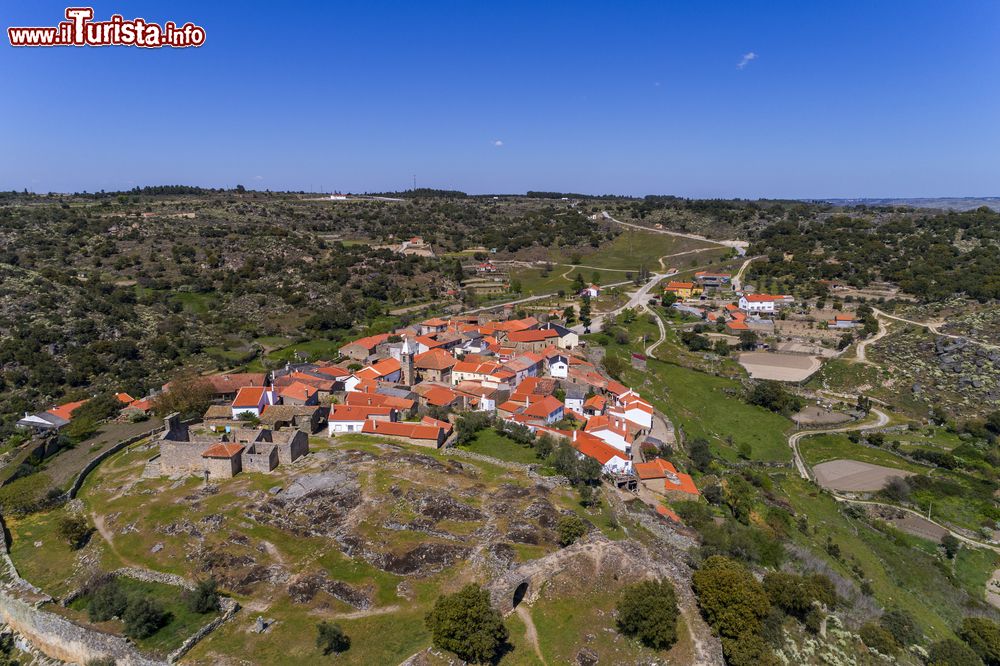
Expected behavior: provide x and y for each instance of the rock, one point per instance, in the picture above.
(156, 548)
(586, 657)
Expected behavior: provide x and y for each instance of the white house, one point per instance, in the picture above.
(762, 303)
(635, 409)
(574, 399)
(351, 418)
(612, 460)
(559, 366)
(592, 291)
(252, 400)
(611, 430)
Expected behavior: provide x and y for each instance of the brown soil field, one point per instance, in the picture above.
(852, 475)
(782, 367)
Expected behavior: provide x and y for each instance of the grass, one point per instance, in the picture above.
(822, 448)
(489, 443)
(712, 407)
(44, 565)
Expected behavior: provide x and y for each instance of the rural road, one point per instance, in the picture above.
(738, 278)
(738, 245)
(793, 441)
(636, 301)
(859, 352)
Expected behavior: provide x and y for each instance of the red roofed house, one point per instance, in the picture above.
(298, 393)
(378, 400)
(595, 405)
(252, 400)
(657, 468)
(763, 303)
(386, 370)
(65, 411)
(352, 418)
(439, 396)
(612, 429)
(682, 289)
(533, 339)
(361, 349)
(593, 291)
(226, 386)
(434, 365)
(612, 460)
(420, 434)
(548, 409)
(222, 461)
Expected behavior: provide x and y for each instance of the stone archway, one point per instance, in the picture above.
(519, 593)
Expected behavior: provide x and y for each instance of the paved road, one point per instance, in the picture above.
(637, 301)
(738, 245)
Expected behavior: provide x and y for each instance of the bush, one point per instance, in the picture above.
(796, 595)
(773, 396)
(983, 636)
(647, 611)
(749, 649)
(107, 600)
(731, 599)
(465, 623)
(902, 626)
(570, 529)
(950, 652)
(143, 618)
(74, 530)
(875, 636)
(204, 598)
(330, 638)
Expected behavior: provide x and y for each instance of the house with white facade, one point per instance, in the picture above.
(252, 400)
(763, 303)
(351, 418)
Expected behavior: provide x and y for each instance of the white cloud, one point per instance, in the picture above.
(745, 60)
(258, 177)
(498, 143)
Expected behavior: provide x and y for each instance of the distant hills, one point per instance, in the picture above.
(943, 203)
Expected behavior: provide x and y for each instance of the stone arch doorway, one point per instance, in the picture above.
(519, 593)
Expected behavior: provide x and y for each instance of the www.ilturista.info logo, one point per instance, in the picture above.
(81, 30)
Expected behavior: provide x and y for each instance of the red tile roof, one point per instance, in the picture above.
(544, 407)
(297, 391)
(435, 359)
(124, 398)
(682, 482)
(535, 335)
(65, 411)
(369, 342)
(249, 396)
(402, 429)
(439, 396)
(382, 368)
(761, 298)
(357, 412)
(226, 383)
(222, 450)
(594, 447)
(378, 400)
(333, 371)
(657, 468)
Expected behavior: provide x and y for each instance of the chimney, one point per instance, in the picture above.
(574, 435)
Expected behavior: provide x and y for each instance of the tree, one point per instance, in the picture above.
(585, 312)
(983, 636)
(569, 315)
(204, 598)
(731, 599)
(951, 545)
(748, 340)
(721, 347)
(331, 639)
(465, 623)
(950, 652)
(902, 625)
(668, 299)
(107, 600)
(143, 617)
(771, 395)
(613, 365)
(700, 454)
(875, 636)
(74, 530)
(570, 529)
(187, 394)
(647, 611)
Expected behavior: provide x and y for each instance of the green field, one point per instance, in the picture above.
(489, 443)
(712, 407)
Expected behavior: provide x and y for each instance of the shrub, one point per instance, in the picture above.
(950, 652)
(74, 531)
(330, 638)
(143, 618)
(749, 649)
(796, 594)
(465, 623)
(204, 598)
(902, 626)
(983, 636)
(107, 600)
(731, 599)
(570, 529)
(875, 636)
(647, 611)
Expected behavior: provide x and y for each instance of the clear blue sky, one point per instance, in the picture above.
(842, 100)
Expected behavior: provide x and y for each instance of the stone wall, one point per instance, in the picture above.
(181, 458)
(530, 470)
(297, 447)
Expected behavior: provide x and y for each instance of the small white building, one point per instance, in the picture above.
(252, 400)
(593, 291)
(559, 366)
(762, 303)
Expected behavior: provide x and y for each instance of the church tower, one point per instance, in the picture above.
(406, 362)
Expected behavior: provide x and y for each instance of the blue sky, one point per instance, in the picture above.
(842, 99)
